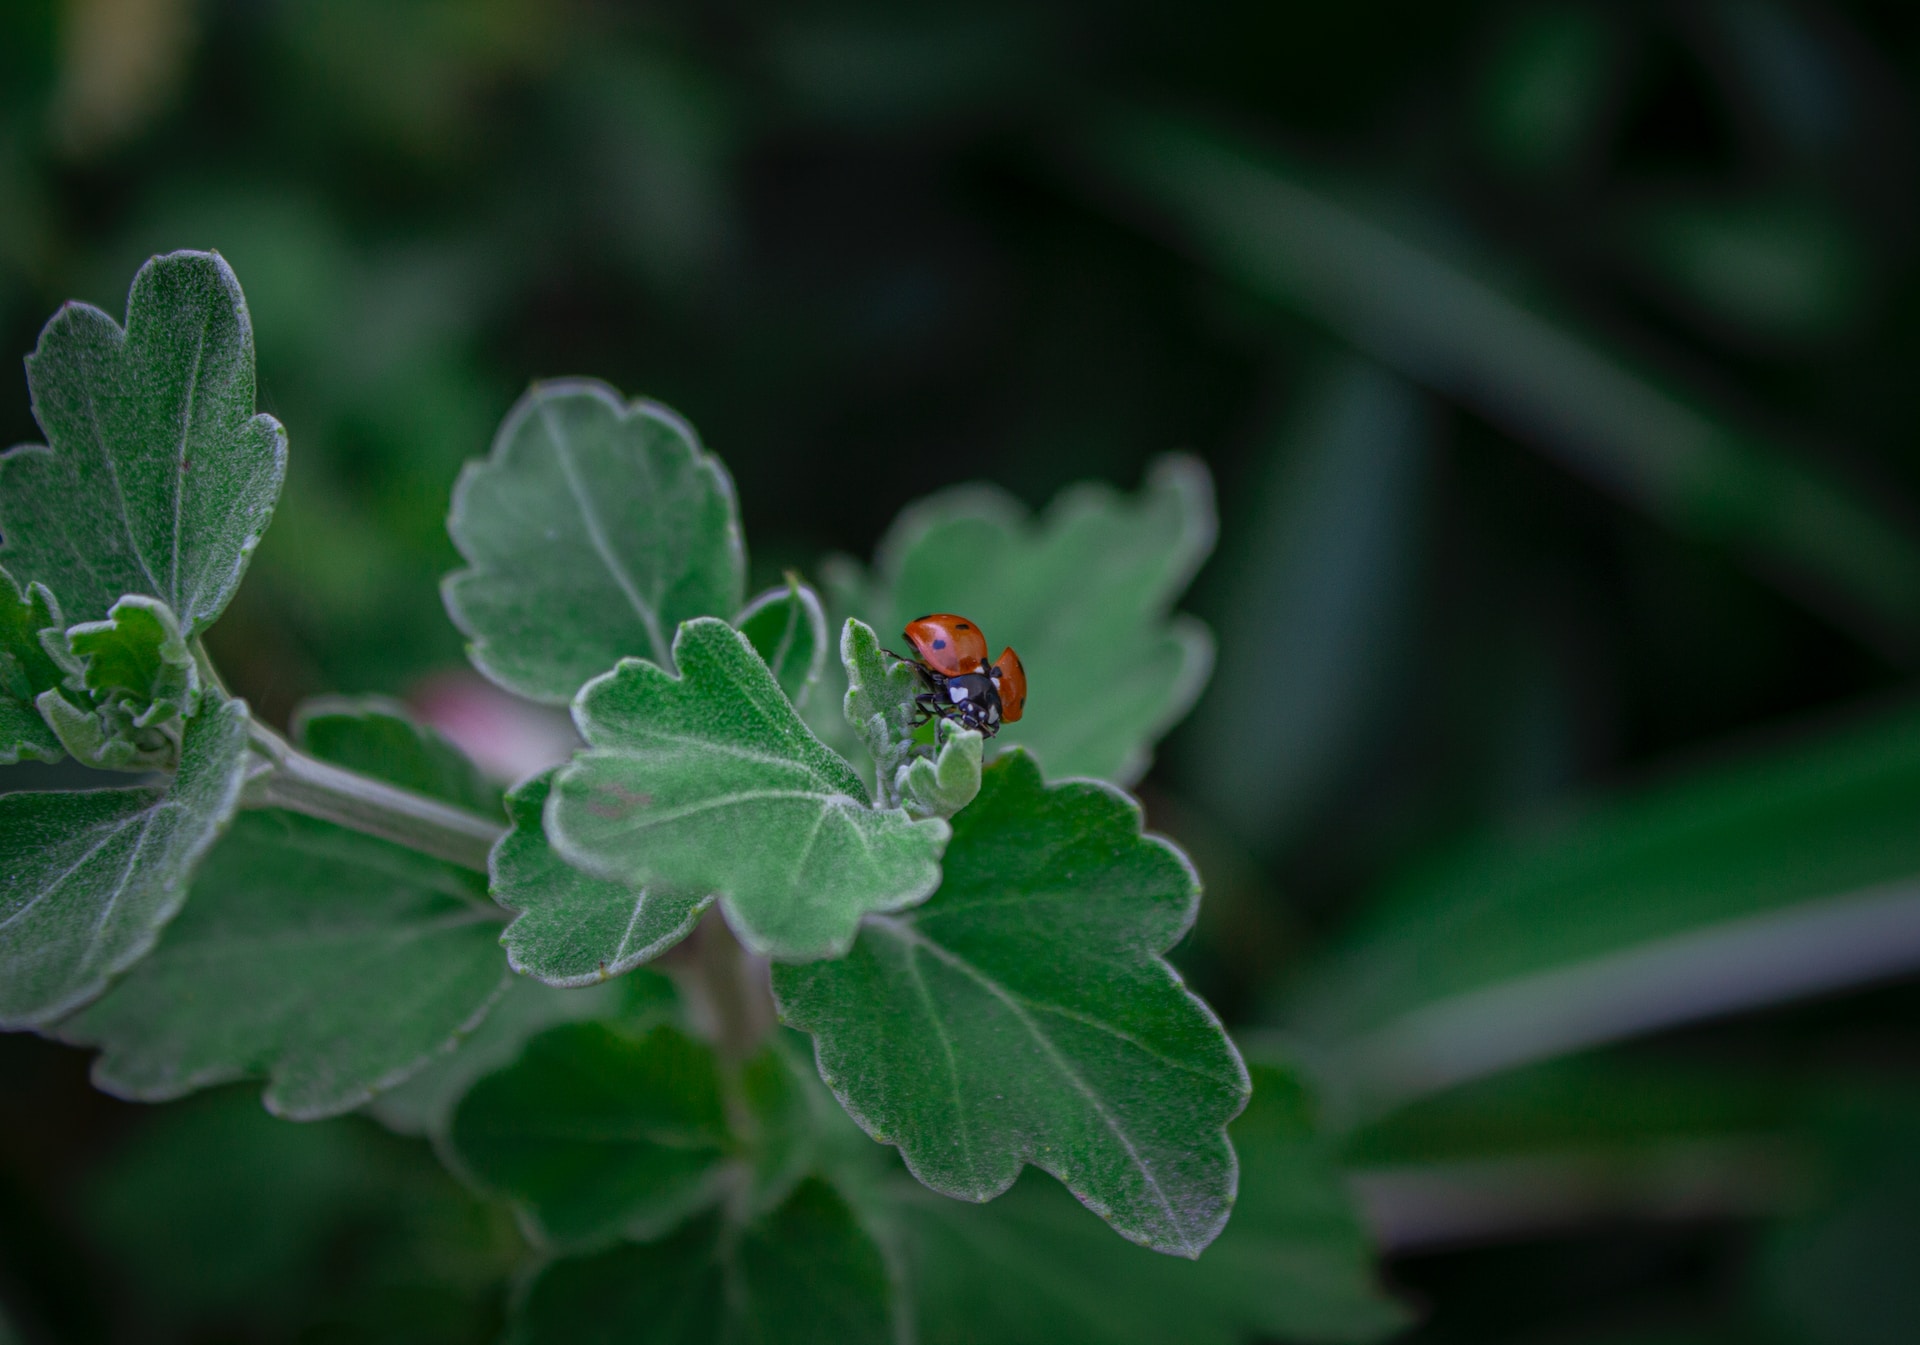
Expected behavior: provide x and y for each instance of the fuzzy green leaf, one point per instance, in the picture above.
(379, 737)
(26, 670)
(596, 1131)
(133, 679)
(574, 929)
(328, 962)
(1025, 1015)
(157, 477)
(941, 786)
(803, 1274)
(1293, 1263)
(1086, 587)
(709, 782)
(424, 1104)
(788, 629)
(138, 657)
(88, 879)
(593, 528)
(879, 705)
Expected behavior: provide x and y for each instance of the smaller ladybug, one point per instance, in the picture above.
(962, 686)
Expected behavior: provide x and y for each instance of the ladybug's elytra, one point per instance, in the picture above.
(950, 645)
(961, 685)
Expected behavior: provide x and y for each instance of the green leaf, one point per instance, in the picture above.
(158, 478)
(1292, 1264)
(593, 529)
(788, 629)
(879, 706)
(709, 782)
(941, 786)
(424, 1104)
(26, 670)
(328, 962)
(573, 929)
(378, 737)
(135, 680)
(777, 1117)
(1775, 876)
(88, 879)
(213, 1213)
(805, 1273)
(595, 1131)
(1096, 574)
(1025, 1015)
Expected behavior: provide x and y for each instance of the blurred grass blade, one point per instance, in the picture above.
(1444, 324)
(1749, 883)
(1321, 581)
(1742, 964)
(1448, 1205)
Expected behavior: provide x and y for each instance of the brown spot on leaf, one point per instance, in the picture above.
(615, 802)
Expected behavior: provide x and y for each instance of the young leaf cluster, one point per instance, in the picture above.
(978, 954)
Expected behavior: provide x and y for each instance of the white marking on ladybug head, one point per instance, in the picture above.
(957, 692)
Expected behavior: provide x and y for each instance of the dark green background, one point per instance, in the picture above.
(871, 250)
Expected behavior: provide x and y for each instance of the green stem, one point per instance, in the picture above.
(734, 984)
(208, 672)
(303, 784)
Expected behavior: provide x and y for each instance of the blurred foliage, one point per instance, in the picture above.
(1553, 362)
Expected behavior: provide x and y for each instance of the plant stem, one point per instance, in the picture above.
(734, 984)
(303, 784)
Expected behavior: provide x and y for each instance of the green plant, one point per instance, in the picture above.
(976, 951)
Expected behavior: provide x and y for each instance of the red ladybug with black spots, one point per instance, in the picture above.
(962, 686)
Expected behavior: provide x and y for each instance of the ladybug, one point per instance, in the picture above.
(962, 686)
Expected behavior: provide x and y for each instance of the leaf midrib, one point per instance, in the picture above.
(180, 473)
(596, 534)
(1017, 1006)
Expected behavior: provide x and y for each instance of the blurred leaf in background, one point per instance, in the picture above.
(220, 1215)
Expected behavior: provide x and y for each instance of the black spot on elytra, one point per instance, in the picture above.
(961, 625)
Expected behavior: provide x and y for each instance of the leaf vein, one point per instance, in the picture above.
(1060, 1063)
(180, 463)
(596, 534)
(113, 830)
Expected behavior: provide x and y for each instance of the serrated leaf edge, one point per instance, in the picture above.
(1196, 1242)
